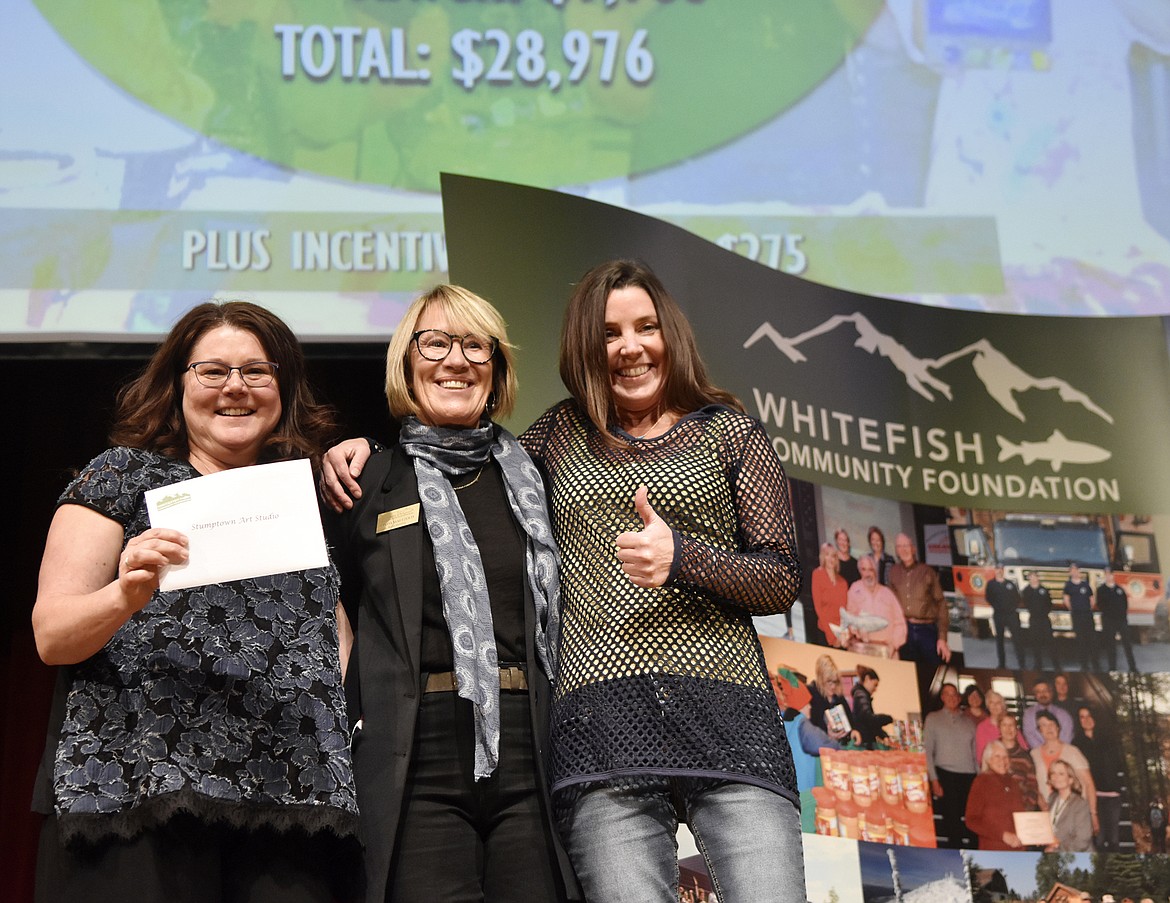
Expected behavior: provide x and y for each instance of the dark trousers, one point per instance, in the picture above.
(953, 807)
(1109, 817)
(921, 644)
(1008, 622)
(1086, 639)
(1043, 643)
(1112, 629)
(186, 861)
(460, 839)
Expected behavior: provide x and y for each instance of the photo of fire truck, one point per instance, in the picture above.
(1047, 544)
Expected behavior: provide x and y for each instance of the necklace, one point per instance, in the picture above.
(650, 429)
(473, 481)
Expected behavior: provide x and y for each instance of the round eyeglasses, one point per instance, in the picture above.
(214, 374)
(435, 345)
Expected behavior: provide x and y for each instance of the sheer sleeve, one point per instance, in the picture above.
(763, 575)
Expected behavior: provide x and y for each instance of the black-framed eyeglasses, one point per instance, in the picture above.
(435, 345)
(215, 374)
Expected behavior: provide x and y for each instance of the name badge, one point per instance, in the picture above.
(399, 517)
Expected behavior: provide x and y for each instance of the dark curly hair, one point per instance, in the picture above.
(150, 408)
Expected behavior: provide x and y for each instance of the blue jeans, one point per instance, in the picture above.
(622, 842)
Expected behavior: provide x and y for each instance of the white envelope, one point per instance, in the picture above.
(244, 522)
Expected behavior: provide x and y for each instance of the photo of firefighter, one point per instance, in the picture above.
(1074, 592)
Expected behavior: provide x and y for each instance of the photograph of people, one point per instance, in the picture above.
(1053, 749)
(1107, 766)
(1020, 764)
(1003, 595)
(1045, 703)
(827, 695)
(1072, 823)
(988, 728)
(870, 601)
(883, 559)
(829, 593)
(846, 563)
(1038, 601)
(199, 736)
(868, 723)
(671, 511)
(917, 587)
(994, 796)
(1078, 600)
(948, 736)
(454, 609)
(972, 703)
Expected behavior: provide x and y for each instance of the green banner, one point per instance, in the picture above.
(870, 395)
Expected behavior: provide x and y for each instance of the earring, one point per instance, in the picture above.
(491, 404)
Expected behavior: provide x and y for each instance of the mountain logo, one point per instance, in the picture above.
(1003, 379)
(169, 501)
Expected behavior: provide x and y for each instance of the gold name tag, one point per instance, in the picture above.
(399, 517)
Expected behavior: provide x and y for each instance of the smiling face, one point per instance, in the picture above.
(1008, 730)
(452, 392)
(636, 353)
(843, 545)
(868, 571)
(998, 760)
(1043, 693)
(228, 426)
(904, 549)
(950, 697)
(1059, 777)
(877, 543)
(1088, 722)
(1049, 729)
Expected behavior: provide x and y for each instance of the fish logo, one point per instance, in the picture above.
(1057, 450)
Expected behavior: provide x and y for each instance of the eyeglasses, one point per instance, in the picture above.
(215, 374)
(435, 345)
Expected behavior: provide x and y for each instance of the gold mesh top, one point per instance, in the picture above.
(669, 680)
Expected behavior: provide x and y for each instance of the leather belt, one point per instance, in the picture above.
(921, 621)
(445, 681)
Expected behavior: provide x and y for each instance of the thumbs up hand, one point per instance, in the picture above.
(647, 554)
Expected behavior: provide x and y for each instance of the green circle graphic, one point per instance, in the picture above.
(617, 87)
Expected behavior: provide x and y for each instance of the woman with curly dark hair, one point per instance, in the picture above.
(199, 745)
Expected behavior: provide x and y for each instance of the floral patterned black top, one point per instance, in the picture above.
(222, 701)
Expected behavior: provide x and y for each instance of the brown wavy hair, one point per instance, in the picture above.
(584, 361)
(149, 411)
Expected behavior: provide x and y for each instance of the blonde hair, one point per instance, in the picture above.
(464, 310)
(827, 671)
(827, 548)
(1074, 781)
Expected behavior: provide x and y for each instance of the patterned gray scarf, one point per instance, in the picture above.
(438, 455)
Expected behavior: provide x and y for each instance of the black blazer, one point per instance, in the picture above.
(381, 589)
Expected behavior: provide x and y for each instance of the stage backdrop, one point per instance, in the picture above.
(978, 434)
(866, 394)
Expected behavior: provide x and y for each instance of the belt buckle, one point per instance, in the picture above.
(512, 678)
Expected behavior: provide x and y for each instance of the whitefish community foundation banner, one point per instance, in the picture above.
(866, 394)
